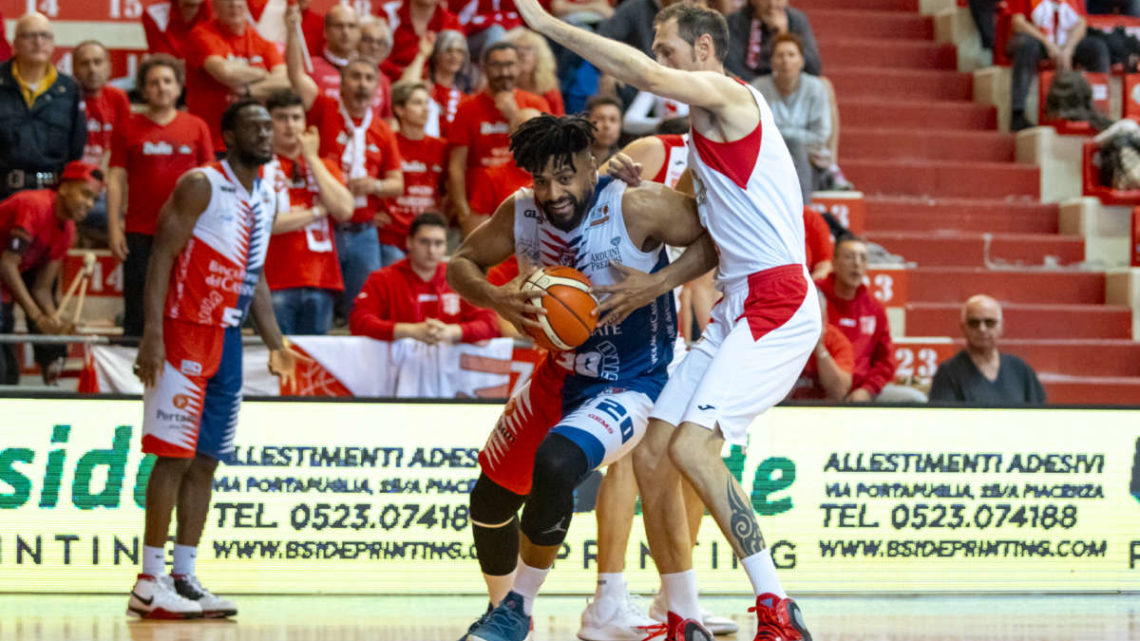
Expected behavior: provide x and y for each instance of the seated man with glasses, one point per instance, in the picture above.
(981, 374)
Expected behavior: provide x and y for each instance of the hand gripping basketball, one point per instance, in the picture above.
(569, 307)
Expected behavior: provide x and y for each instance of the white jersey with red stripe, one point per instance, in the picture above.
(748, 197)
(214, 277)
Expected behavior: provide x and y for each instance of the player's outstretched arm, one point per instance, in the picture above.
(490, 244)
(176, 223)
(703, 89)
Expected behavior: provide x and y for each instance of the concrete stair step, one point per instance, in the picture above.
(1023, 320)
(872, 111)
(900, 213)
(934, 179)
(884, 143)
(956, 284)
(974, 249)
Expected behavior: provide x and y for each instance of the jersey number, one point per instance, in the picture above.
(620, 415)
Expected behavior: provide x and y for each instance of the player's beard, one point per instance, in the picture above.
(578, 211)
(254, 158)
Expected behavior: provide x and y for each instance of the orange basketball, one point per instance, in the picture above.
(568, 321)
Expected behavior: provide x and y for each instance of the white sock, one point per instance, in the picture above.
(681, 594)
(185, 559)
(498, 586)
(528, 580)
(762, 573)
(611, 586)
(154, 561)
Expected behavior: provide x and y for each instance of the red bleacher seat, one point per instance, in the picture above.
(1090, 181)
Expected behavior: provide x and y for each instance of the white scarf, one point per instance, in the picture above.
(353, 157)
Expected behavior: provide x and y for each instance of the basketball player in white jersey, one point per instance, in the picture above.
(583, 408)
(765, 327)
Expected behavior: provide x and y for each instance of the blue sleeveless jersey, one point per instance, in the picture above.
(633, 355)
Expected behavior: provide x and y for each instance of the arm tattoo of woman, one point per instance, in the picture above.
(743, 524)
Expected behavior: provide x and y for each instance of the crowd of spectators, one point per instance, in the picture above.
(391, 133)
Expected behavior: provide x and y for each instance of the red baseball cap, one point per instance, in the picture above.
(79, 170)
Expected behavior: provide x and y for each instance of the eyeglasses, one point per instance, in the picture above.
(975, 323)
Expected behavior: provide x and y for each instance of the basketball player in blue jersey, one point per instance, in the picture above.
(584, 408)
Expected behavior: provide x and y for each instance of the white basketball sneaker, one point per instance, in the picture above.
(614, 619)
(155, 598)
(659, 612)
(213, 606)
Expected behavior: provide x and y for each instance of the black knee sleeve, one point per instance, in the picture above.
(559, 466)
(495, 526)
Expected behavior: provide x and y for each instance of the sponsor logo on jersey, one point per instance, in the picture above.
(185, 150)
(451, 304)
(414, 166)
(602, 260)
(160, 148)
(190, 368)
(489, 128)
(180, 401)
(867, 324)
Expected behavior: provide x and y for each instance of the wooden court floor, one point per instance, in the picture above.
(332, 618)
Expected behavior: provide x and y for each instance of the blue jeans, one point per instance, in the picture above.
(390, 254)
(359, 251)
(304, 311)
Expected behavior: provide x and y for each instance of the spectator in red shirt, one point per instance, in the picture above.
(5, 48)
(37, 227)
(486, 22)
(343, 30)
(341, 39)
(411, 21)
(152, 150)
(479, 136)
(863, 320)
(537, 73)
(227, 59)
(820, 246)
(411, 299)
(301, 267)
(168, 24)
(423, 160)
(827, 374)
(1048, 30)
(106, 110)
(441, 62)
(369, 156)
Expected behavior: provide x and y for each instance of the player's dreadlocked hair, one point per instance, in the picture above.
(540, 140)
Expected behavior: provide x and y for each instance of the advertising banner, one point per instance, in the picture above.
(346, 497)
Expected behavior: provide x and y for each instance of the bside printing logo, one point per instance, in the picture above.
(22, 468)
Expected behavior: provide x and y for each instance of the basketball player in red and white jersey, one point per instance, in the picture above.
(204, 275)
(765, 327)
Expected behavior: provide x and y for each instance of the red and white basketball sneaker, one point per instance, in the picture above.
(678, 629)
(779, 619)
(155, 598)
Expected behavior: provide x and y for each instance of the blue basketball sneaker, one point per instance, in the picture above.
(508, 622)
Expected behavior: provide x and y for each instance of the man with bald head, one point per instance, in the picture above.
(980, 374)
(41, 127)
